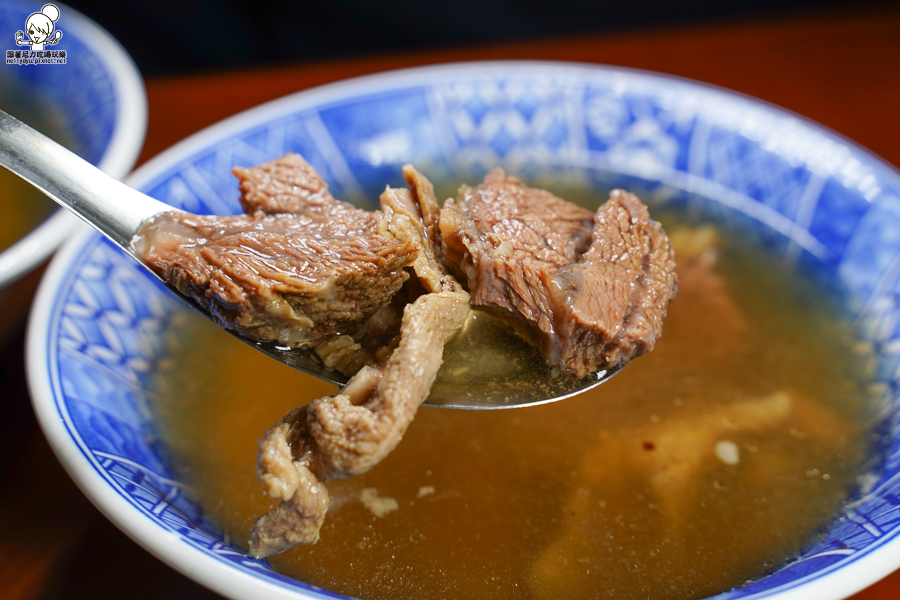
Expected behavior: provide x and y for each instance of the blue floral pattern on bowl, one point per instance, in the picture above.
(82, 89)
(809, 195)
(95, 100)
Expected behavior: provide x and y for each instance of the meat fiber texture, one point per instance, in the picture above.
(347, 434)
(374, 295)
(589, 290)
(299, 267)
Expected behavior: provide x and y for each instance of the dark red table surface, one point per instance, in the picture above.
(840, 68)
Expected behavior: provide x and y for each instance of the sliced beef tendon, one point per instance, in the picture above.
(374, 295)
(349, 433)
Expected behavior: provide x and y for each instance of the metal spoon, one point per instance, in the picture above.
(519, 376)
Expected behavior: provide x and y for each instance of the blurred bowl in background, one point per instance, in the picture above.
(94, 103)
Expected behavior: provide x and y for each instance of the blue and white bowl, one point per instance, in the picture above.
(99, 323)
(99, 95)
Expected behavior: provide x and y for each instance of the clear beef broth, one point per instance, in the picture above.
(706, 463)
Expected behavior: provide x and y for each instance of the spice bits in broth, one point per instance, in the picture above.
(706, 463)
(373, 294)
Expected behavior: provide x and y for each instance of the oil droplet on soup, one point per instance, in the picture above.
(707, 462)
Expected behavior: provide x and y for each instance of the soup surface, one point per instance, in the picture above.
(706, 463)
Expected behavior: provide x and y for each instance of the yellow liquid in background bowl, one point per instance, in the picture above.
(680, 478)
(22, 206)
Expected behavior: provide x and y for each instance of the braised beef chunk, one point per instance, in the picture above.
(374, 294)
(502, 220)
(589, 290)
(412, 214)
(348, 434)
(295, 279)
(611, 303)
(287, 185)
(407, 214)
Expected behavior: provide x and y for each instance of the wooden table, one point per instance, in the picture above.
(841, 69)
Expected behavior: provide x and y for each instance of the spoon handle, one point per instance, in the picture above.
(117, 211)
(109, 205)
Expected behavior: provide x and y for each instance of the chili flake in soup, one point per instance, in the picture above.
(706, 463)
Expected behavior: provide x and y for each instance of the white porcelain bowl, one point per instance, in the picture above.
(100, 96)
(99, 324)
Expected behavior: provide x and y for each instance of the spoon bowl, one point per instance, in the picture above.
(117, 211)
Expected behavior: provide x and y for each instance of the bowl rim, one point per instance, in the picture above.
(836, 584)
(129, 131)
